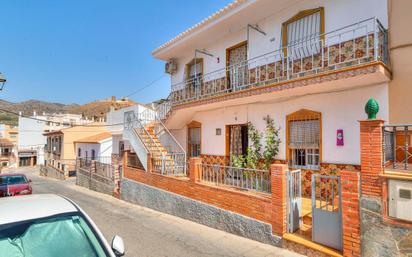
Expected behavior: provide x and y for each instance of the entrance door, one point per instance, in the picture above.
(237, 141)
(294, 207)
(236, 63)
(24, 161)
(194, 142)
(327, 211)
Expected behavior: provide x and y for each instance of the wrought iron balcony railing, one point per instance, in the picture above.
(350, 46)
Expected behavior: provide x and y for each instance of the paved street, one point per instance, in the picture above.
(150, 233)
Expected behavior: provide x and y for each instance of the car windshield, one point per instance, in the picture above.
(12, 179)
(61, 236)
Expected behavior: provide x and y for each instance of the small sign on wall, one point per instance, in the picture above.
(218, 131)
(339, 137)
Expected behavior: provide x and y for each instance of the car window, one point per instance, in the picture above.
(65, 236)
(13, 179)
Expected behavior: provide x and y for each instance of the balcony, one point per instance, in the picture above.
(349, 47)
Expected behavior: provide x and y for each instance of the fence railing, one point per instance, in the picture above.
(84, 163)
(170, 164)
(397, 148)
(105, 169)
(355, 44)
(241, 178)
(100, 165)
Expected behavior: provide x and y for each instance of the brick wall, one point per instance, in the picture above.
(254, 205)
(350, 213)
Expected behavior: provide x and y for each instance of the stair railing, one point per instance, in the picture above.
(136, 124)
(175, 151)
(130, 123)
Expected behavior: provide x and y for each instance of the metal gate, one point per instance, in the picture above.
(327, 211)
(294, 207)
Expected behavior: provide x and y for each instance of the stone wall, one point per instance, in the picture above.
(187, 208)
(50, 171)
(380, 238)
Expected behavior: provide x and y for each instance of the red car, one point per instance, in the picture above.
(14, 184)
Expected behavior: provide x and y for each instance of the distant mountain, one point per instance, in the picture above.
(96, 109)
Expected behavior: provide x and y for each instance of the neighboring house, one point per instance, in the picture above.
(7, 152)
(31, 140)
(96, 147)
(115, 125)
(60, 143)
(8, 145)
(311, 66)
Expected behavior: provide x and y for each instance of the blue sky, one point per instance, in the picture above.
(80, 50)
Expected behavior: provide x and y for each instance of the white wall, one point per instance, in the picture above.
(117, 117)
(340, 110)
(102, 149)
(30, 136)
(338, 14)
(31, 133)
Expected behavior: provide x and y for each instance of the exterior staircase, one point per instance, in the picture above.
(148, 135)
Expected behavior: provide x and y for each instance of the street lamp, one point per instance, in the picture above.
(2, 81)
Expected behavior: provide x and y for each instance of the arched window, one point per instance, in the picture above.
(304, 139)
(93, 154)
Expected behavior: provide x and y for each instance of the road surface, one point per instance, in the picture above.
(150, 233)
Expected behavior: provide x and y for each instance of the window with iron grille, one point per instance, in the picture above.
(304, 140)
(302, 33)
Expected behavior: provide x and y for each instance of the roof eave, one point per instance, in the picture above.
(214, 18)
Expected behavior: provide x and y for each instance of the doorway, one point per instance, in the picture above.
(237, 141)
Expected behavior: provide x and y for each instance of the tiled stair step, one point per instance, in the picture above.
(307, 219)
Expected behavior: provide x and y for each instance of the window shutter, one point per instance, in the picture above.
(304, 134)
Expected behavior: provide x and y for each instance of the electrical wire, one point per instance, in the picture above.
(146, 86)
(87, 125)
(59, 123)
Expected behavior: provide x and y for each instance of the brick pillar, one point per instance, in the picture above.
(116, 179)
(371, 148)
(149, 163)
(194, 169)
(278, 177)
(93, 166)
(350, 186)
(125, 156)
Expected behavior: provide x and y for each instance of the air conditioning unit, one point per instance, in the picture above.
(171, 67)
(400, 199)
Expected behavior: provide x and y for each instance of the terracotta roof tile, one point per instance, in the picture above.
(95, 138)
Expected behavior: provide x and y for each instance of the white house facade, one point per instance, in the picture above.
(308, 65)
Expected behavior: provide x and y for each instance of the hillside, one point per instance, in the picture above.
(96, 109)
